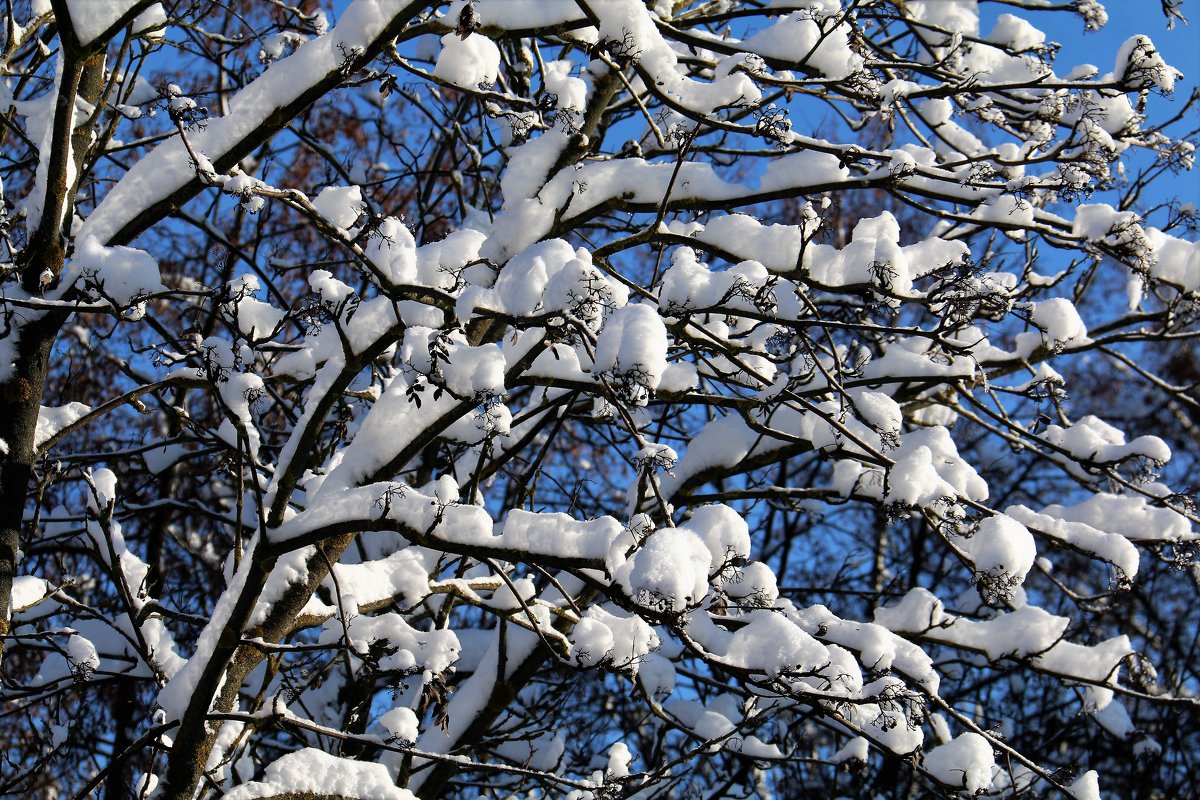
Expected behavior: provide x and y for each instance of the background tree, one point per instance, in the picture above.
(504, 398)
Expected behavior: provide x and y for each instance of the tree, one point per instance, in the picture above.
(494, 397)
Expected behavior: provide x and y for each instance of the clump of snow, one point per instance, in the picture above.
(723, 531)
(656, 674)
(341, 205)
(393, 252)
(918, 611)
(619, 760)
(965, 762)
(401, 723)
(628, 29)
(90, 18)
(151, 23)
(27, 591)
(254, 319)
(878, 410)
(1059, 322)
(591, 642)
(1016, 34)
(1007, 209)
(772, 644)
(1087, 787)
(469, 62)
(1001, 547)
(670, 571)
(1054, 523)
(1027, 631)
(958, 16)
(754, 584)
(82, 655)
(613, 636)
(314, 771)
(927, 468)
(52, 420)
(1140, 65)
(529, 166)
(715, 721)
(1093, 439)
(799, 40)
(570, 93)
(937, 111)
(857, 749)
(433, 650)
(632, 348)
(119, 274)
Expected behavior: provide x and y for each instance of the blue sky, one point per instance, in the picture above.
(1180, 47)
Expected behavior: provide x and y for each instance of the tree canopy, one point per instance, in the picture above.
(595, 399)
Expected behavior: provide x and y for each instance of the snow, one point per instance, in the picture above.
(90, 18)
(805, 167)
(570, 93)
(656, 674)
(404, 574)
(1006, 209)
(151, 23)
(775, 246)
(629, 28)
(1026, 631)
(1001, 546)
(937, 111)
(521, 14)
(1176, 260)
(394, 253)
(689, 285)
(928, 468)
(960, 16)
(454, 365)
(529, 166)
(52, 420)
(798, 40)
(916, 612)
(1139, 63)
(1111, 547)
(706, 723)
(415, 650)
(669, 571)
(857, 749)
(168, 167)
(965, 762)
(771, 644)
(632, 348)
(119, 274)
(1059, 322)
(254, 319)
(1016, 34)
(723, 531)
(1087, 787)
(544, 752)
(1093, 439)
(1098, 663)
(28, 591)
(551, 534)
(81, 654)
(341, 205)
(1131, 516)
(471, 63)
(591, 642)
(317, 772)
(623, 638)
